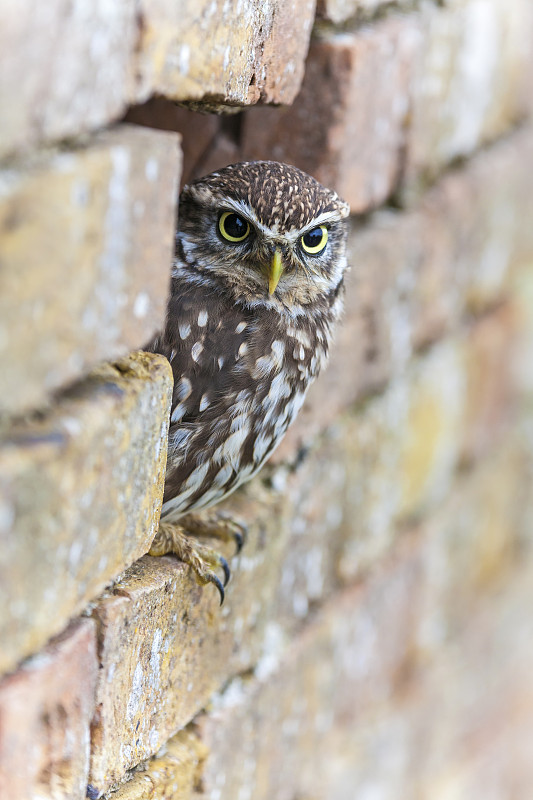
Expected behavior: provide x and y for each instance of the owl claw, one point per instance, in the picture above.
(225, 568)
(212, 578)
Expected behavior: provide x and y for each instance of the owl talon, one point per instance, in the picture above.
(225, 568)
(203, 560)
(212, 578)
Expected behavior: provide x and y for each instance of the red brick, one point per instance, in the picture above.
(347, 125)
(45, 714)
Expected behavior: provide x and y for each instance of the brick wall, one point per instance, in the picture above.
(376, 641)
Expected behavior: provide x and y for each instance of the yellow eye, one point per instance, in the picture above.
(233, 227)
(314, 241)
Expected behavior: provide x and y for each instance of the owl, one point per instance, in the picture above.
(257, 286)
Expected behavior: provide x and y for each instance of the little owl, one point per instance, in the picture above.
(257, 287)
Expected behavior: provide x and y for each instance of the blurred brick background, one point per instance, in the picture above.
(377, 638)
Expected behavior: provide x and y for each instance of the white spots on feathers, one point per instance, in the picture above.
(196, 351)
(202, 318)
(279, 387)
(220, 362)
(278, 351)
(183, 388)
(243, 349)
(240, 327)
(299, 353)
(264, 365)
(204, 403)
(184, 330)
(261, 446)
(179, 412)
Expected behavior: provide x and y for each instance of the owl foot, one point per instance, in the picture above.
(215, 525)
(173, 538)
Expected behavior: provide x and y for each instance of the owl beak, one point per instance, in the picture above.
(274, 273)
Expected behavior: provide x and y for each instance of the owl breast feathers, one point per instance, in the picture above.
(256, 289)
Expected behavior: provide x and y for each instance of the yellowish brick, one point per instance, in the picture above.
(63, 69)
(353, 703)
(293, 721)
(86, 247)
(80, 496)
(174, 774)
(473, 81)
(166, 645)
(224, 52)
(416, 275)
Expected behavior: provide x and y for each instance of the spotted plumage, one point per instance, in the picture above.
(256, 289)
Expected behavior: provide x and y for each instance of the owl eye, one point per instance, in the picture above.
(314, 241)
(232, 227)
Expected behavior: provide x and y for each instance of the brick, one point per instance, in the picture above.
(220, 53)
(197, 131)
(491, 391)
(293, 718)
(80, 496)
(396, 458)
(347, 125)
(338, 11)
(165, 645)
(64, 70)
(175, 773)
(416, 275)
(110, 212)
(472, 82)
(350, 703)
(45, 714)
(472, 541)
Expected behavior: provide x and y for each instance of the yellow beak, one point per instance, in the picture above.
(274, 273)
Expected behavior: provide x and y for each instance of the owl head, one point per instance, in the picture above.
(264, 231)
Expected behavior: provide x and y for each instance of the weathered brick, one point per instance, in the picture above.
(166, 646)
(63, 69)
(174, 774)
(197, 130)
(347, 125)
(491, 390)
(357, 688)
(98, 222)
(416, 275)
(337, 11)
(224, 53)
(45, 714)
(472, 540)
(306, 698)
(80, 496)
(391, 461)
(473, 80)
